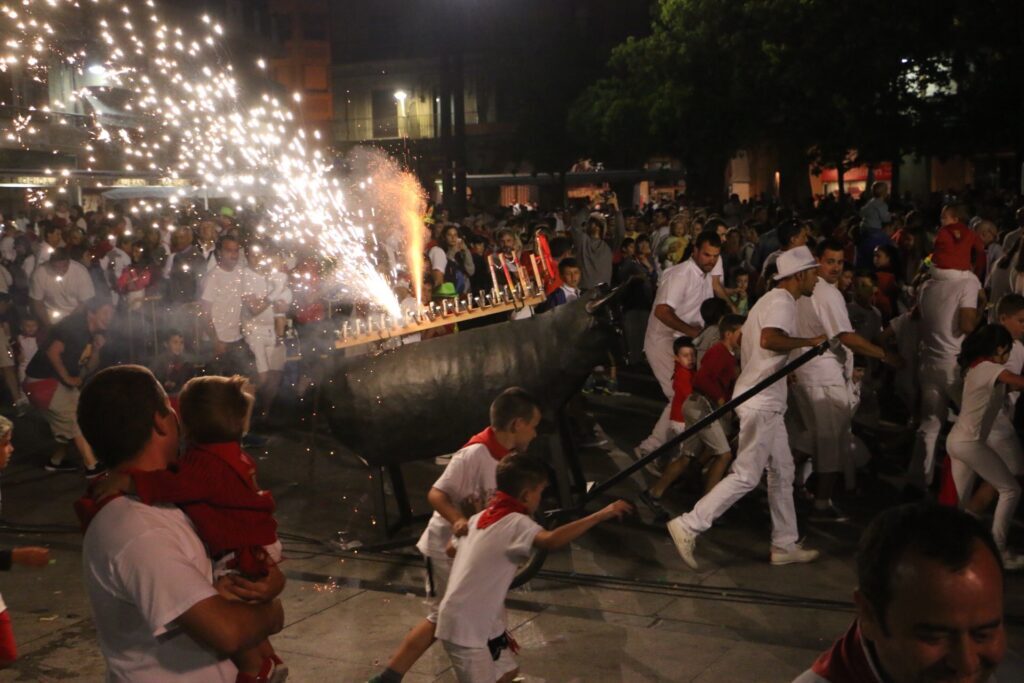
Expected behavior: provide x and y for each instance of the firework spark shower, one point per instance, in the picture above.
(186, 116)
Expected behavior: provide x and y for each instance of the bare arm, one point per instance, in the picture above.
(774, 339)
(721, 292)
(863, 347)
(968, 319)
(1014, 382)
(53, 352)
(668, 317)
(567, 533)
(228, 627)
(39, 309)
(440, 501)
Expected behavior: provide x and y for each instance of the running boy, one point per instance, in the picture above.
(471, 618)
(711, 388)
(215, 485)
(464, 488)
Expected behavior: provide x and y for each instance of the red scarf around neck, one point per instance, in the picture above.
(490, 439)
(846, 661)
(500, 506)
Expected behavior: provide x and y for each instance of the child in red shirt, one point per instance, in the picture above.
(710, 388)
(957, 247)
(214, 483)
(682, 380)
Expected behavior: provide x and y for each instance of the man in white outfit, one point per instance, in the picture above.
(949, 311)
(681, 291)
(767, 342)
(822, 389)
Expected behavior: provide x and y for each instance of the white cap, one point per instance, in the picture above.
(795, 261)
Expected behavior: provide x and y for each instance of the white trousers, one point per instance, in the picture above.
(828, 417)
(763, 444)
(937, 387)
(663, 365)
(976, 458)
(1003, 440)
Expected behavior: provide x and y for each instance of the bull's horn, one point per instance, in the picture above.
(601, 301)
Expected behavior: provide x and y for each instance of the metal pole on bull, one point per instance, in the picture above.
(674, 442)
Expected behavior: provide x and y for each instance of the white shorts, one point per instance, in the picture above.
(270, 355)
(436, 580)
(475, 664)
(710, 440)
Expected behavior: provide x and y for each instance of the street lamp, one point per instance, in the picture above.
(401, 96)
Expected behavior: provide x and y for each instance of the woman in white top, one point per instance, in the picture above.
(983, 356)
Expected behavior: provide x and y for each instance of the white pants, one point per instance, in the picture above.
(976, 458)
(269, 355)
(1003, 440)
(827, 416)
(937, 388)
(763, 444)
(663, 365)
(475, 665)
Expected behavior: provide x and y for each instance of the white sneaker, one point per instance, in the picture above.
(798, 555)
(1012, 562)
(685, 541)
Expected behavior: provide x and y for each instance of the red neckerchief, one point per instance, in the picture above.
(87, 507)
(846, 661)
(490, 439)
(501, 505)
(232, 454)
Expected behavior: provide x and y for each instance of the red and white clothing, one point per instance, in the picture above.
(215, 485)
(144, 566)
(469, 482)
(682, 387)
(473, 610)
(849, 660)
(941, 299)
(684, 288)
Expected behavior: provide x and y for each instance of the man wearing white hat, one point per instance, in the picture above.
(763, 442)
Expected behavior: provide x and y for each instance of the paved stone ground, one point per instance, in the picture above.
(617, 606)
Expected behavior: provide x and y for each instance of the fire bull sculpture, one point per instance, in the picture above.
(426, 399)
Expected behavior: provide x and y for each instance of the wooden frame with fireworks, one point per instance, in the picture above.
(507, 295)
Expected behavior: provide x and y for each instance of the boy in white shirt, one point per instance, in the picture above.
(471, 618)
(464, 488)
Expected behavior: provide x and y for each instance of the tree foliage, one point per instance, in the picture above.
(813, 78)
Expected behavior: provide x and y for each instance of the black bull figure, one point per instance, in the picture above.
(427, 399)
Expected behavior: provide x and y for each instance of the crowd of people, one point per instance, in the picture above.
(907, 314)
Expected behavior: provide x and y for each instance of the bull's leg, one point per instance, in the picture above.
(380, 500)
(401, 497)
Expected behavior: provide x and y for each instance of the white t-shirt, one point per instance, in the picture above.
(144, 566)
(438, 259)
(61, 294)
(469, 482)
(776, 309)
(571, 293)
(982, 399)
(261, 324)
(941, 299)
(824, 313)
(684, 288)
(473, 609)
(224, 291)
(28, 347)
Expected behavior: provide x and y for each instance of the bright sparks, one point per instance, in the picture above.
(184, 116)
